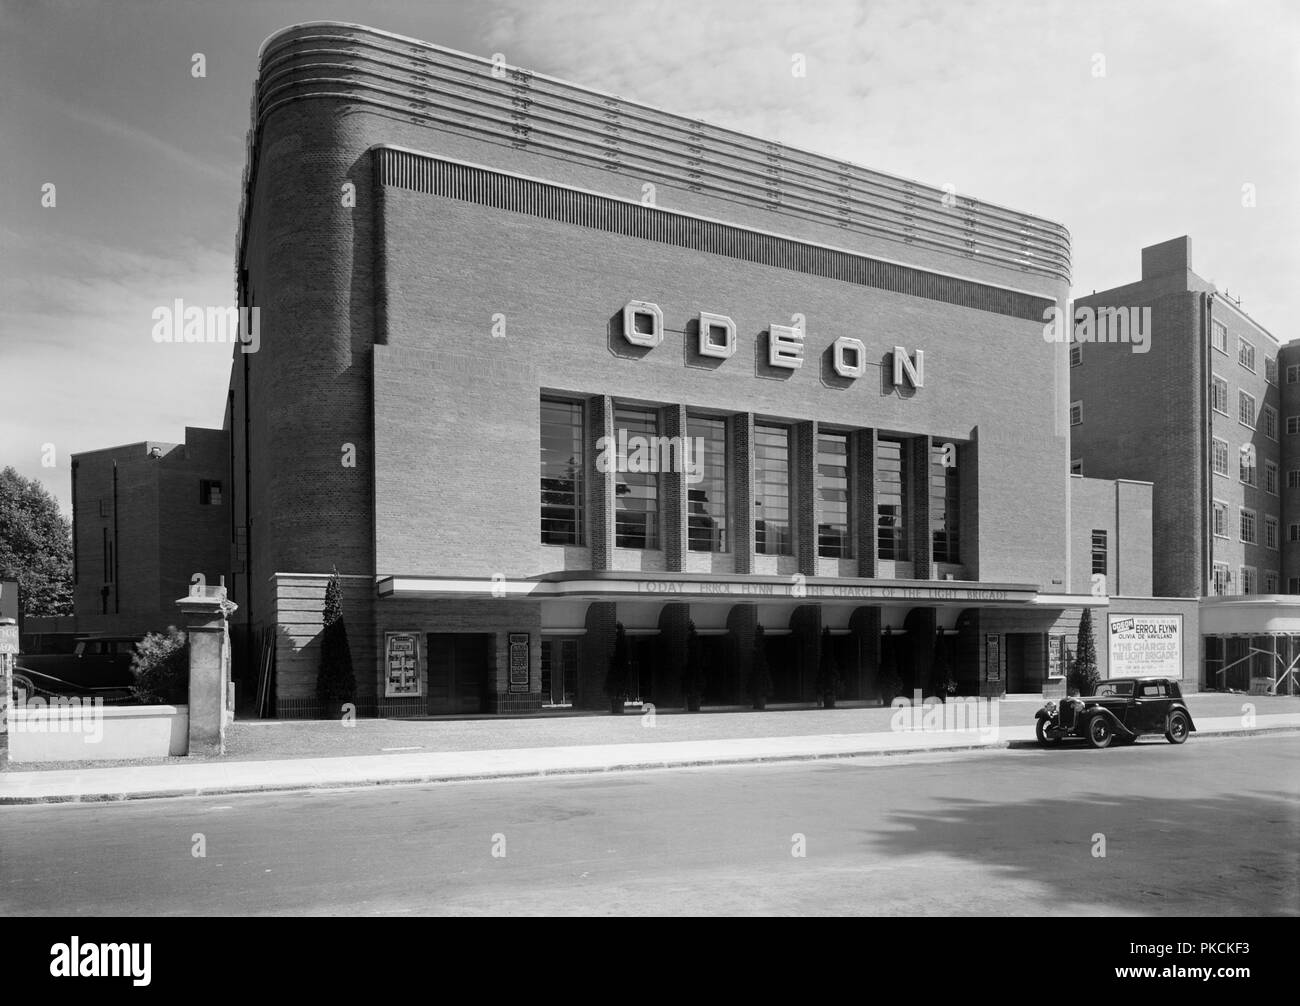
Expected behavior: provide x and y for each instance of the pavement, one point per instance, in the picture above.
(772, 736)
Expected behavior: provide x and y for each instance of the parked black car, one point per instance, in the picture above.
(1121, 710)
(98, 666)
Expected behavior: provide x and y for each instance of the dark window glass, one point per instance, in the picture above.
(636, 499)
(891, 501)
(945, 498)
(1099, 552)
(561, 488)
(772, 491)
(706, 510)
(833, 539)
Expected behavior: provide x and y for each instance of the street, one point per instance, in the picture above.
(1211, 827)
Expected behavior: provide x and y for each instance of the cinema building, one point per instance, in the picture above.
(536, 362)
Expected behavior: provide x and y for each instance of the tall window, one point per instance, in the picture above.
(1246, 409)
(1076, 355)
(1247, 579)
(1220, 519)
(1076, 413)
(891, 501)
(1219, 336)
(1246, 354)
(1270, 477)
(1246, 464)
(772, 533)
(706, 511)
(1270, 422)
(1099, 552)
(1270, 369)
(562, 490)
(1220, 456)
(1293, 373)
(1270, 582)
(1220, 578)
(833, 540)
(1270, 532)
(636, 487)
(1248, 526)
(945, 500)
(1219, 394)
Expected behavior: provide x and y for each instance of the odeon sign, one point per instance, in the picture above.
(643, 326)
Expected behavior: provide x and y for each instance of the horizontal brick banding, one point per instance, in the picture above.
(482, 186)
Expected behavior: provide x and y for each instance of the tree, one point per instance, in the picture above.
(35, 546)
(1084, 674)
(335, 681)
(617, 673)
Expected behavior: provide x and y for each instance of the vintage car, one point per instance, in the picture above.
(1121, 710)
(98, 666)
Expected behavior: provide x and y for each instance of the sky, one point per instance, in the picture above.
(1130, 122)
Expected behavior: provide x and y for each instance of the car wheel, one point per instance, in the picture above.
(1044, 738)
(1177, 730)
(1100, 733)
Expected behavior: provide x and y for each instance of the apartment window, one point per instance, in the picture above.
(833, 541)
(1293, 478)
(1076, 354)
(1219, 336)
(1099, 552)
(1247, 582)
(1293, 585)
(707, 500)
(772, 491)
(1270, 582)
(1293, 424)
(1270, 532)
(636, 492)
(1248, 526)
(1220, 519)
(1270, 422)
(1076, 466)
(1246, 409)
(1246, 354)
(209, 492)
(1270, 477)
(1220, 578)
(561, 470)
(1076, 413)
(1293, 532)
(891, 500)
(1270, 369)
(1293, 373)
(1220, 457)
(1246, 465)
(945, 507)
(1219, 394)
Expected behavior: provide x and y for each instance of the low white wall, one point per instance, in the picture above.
(88, 731)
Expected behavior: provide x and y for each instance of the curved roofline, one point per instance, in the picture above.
(637, 104)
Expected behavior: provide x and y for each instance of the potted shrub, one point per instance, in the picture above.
(1083, 673)
(693, 677)
(617, 674)
(760, 678)
(828, 671)
(889, 683)
(335, 681)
